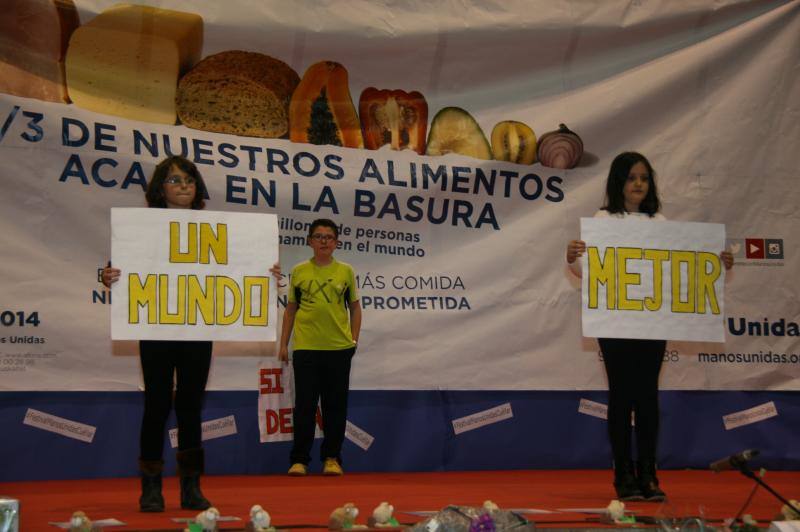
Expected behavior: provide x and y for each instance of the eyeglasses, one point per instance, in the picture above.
(322, 238)
(177, 180)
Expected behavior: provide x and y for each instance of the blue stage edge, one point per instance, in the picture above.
(412, 431)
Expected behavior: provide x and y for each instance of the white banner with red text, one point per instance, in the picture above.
(276, 402)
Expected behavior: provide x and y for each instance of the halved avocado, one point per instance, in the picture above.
(453, 130)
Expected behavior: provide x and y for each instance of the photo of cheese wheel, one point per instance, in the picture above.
(453, 130)
(560, 149)
(514, 142)
(236, 92)
(127, 61)
(33, 41)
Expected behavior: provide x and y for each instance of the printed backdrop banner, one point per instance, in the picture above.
(415, 132)
(193, 275)
(653, 280)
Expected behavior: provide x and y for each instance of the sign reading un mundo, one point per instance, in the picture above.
(653, 280)
(193, 275)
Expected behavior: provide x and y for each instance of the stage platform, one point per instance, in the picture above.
(306, 502)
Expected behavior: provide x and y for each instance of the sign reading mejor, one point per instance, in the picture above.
(193, 275)
(654, 280)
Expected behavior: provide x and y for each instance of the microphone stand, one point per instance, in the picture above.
(746, 471)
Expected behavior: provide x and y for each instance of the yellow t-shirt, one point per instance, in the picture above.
(323, 295)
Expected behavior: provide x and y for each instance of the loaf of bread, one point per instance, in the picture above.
(128, 59)
(236, 92)
(33, 40)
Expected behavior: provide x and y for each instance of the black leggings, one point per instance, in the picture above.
(632, 367)
(190, 362)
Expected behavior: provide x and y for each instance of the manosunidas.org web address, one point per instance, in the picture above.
(762, 357)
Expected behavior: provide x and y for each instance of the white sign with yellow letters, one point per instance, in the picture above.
(656, 280)
(193, 275)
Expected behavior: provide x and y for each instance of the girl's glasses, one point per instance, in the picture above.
(177, 180)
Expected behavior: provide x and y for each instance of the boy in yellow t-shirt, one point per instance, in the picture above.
(324, 313)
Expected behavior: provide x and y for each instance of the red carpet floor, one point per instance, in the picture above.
(307, 502)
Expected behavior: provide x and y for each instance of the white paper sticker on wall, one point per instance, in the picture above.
(750, 416)
(213, 428)
(358, 436)
(481, 419)
(59, 425)
(593, 408)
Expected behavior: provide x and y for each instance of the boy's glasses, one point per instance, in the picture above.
(322, 238)
(177, 180)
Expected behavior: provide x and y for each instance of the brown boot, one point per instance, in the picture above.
(190, 467)
(151, 499)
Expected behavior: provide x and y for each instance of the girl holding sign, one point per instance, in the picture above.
(176, 184)
(632, 365)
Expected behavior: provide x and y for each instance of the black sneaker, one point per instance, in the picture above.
(628, 489)
(625, 482)
(651, 492)
(648, 482)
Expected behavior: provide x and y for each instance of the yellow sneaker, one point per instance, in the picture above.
(298, 470)
(332, 468)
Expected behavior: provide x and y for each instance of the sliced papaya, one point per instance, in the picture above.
(453, 130)
(514, 142)
(321, 110)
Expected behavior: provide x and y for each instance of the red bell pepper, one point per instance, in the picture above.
(393, 117)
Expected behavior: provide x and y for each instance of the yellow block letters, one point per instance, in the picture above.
(198, 249)
(212, 300)
(692, 275)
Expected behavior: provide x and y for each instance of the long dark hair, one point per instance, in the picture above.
(618, 175)
(155, 189)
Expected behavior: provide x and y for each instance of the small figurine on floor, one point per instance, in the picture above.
(207, 520)
(490, 506)
(80, 522)
(790, 514)
(616, 510)
(382, 516)
(747, 524)
(259, 520)
(344, 517)
(615, 513)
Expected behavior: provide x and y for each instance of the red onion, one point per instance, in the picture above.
(560, 149)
